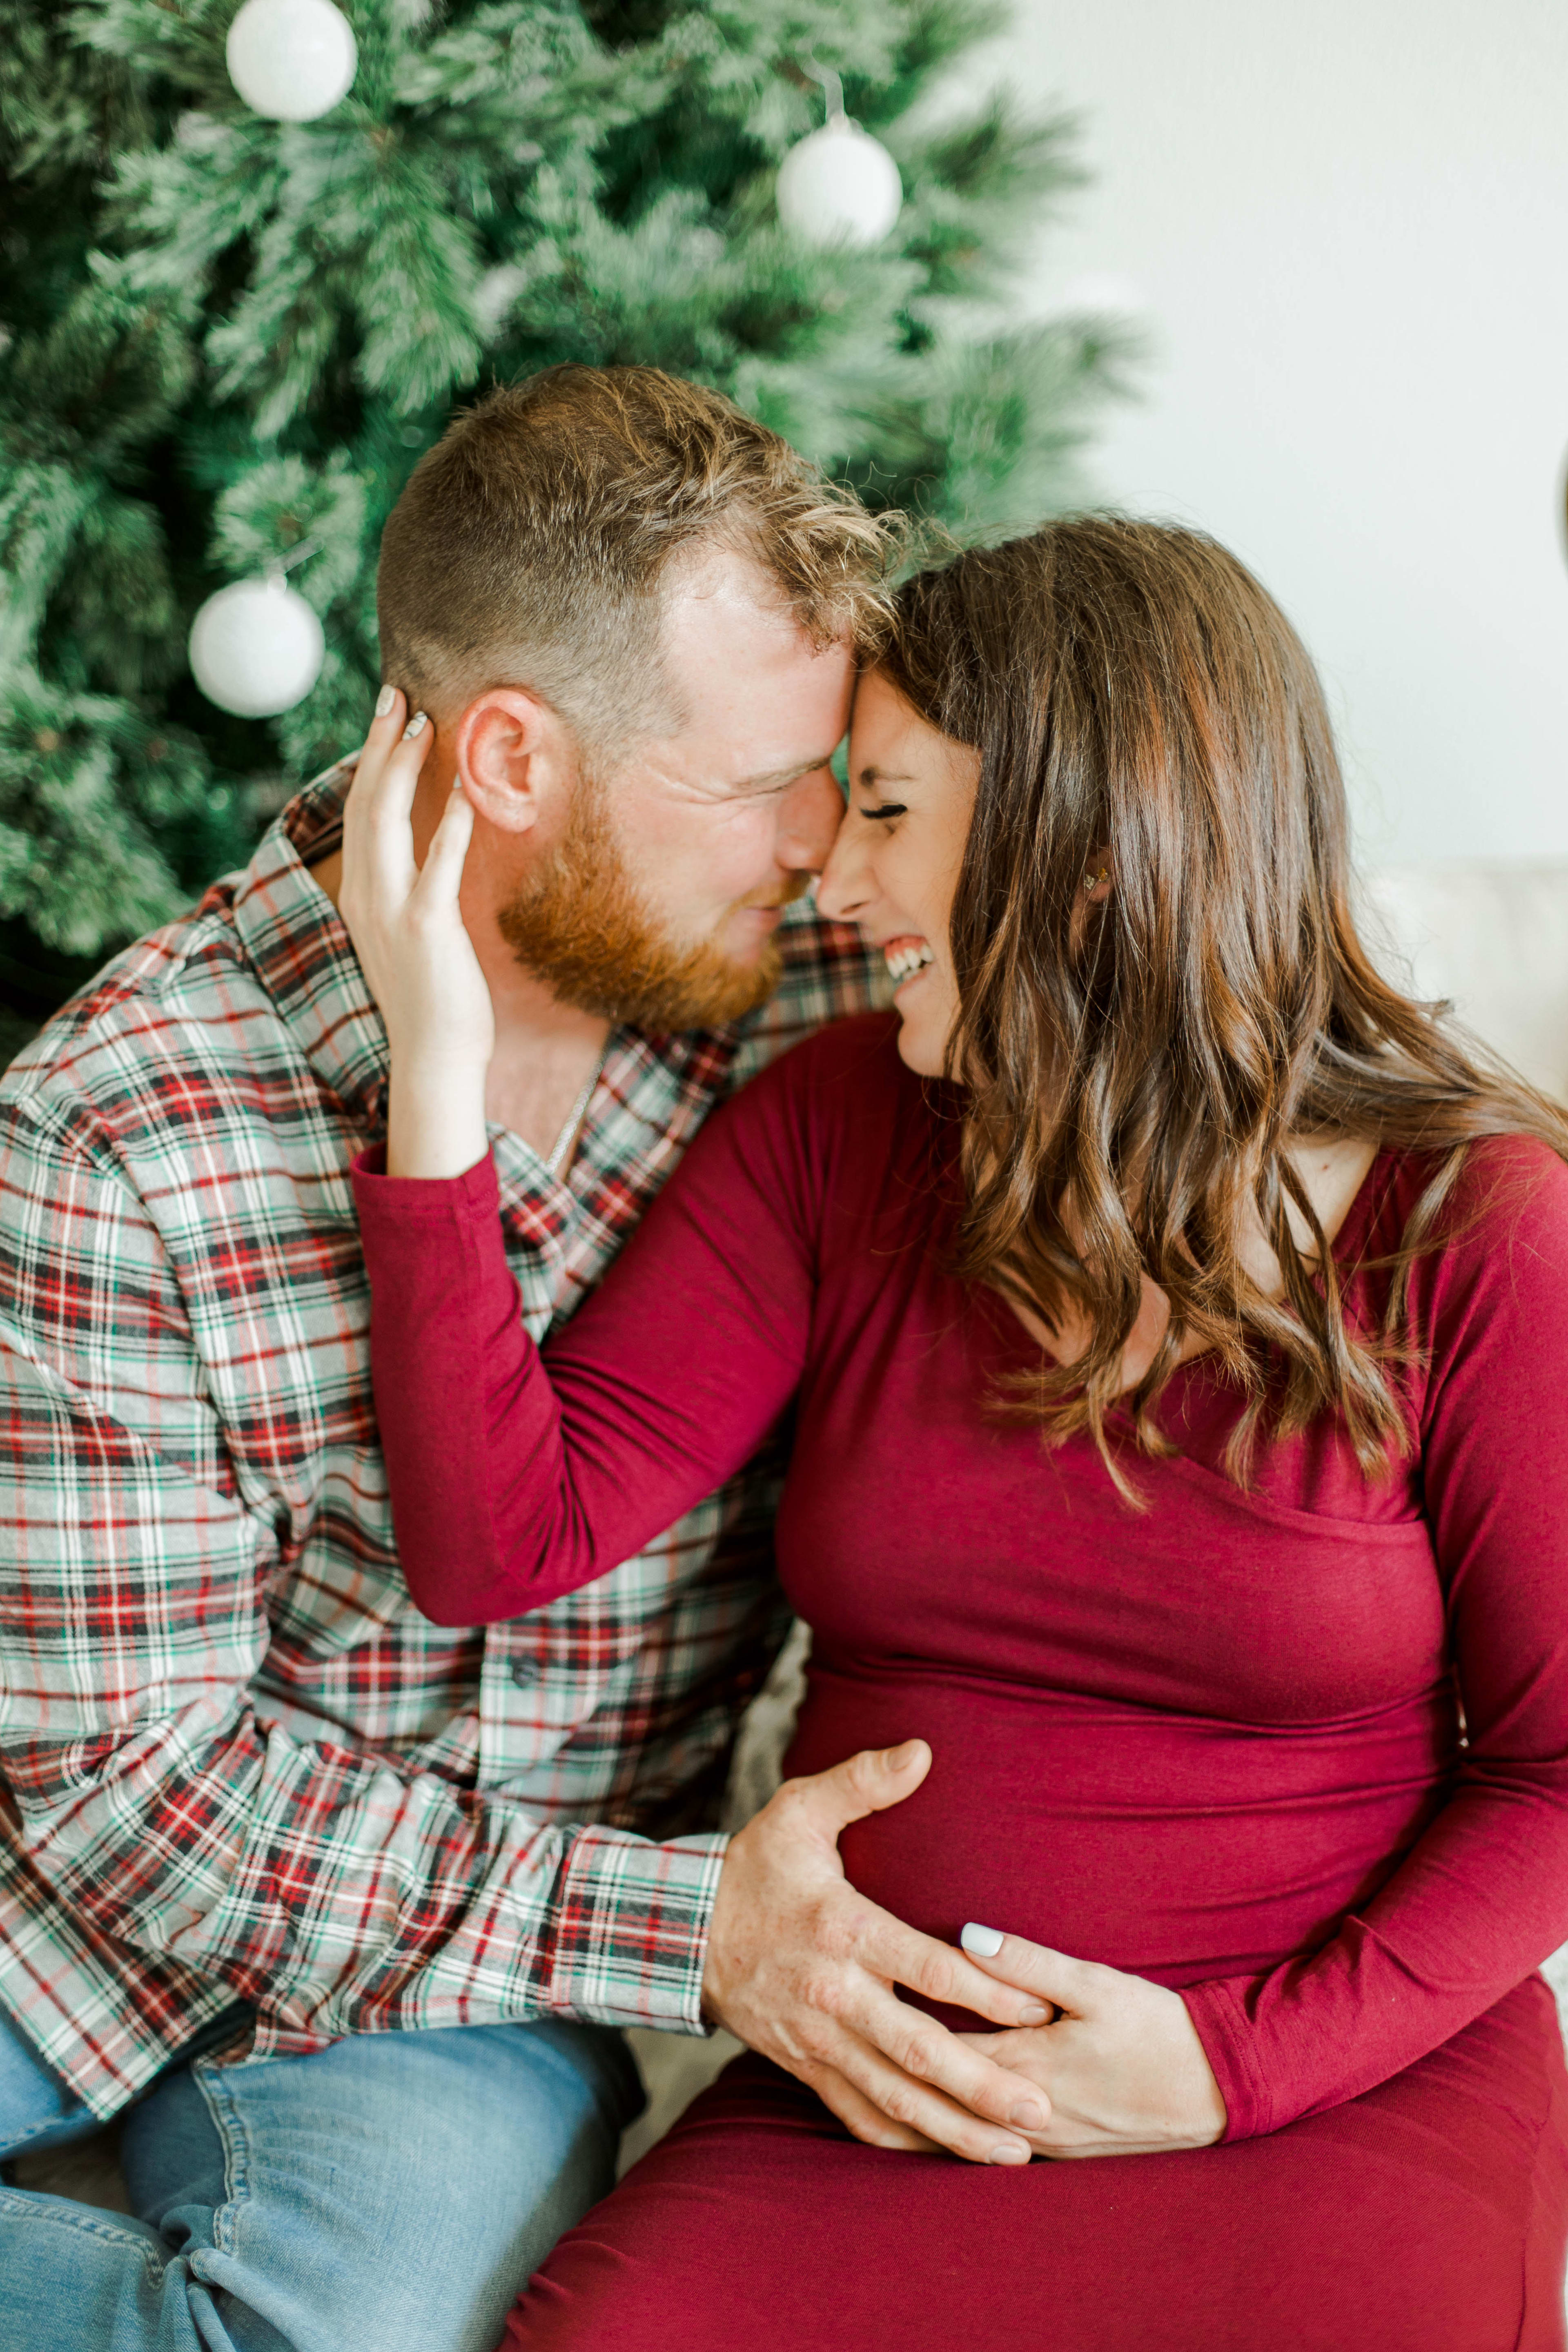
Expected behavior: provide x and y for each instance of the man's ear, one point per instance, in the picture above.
(514, 756)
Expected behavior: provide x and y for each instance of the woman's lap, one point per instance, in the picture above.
(1429, 2216)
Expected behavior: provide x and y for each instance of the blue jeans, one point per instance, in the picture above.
(389, 2194)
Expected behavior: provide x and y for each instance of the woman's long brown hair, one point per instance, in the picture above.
(1145, 1062)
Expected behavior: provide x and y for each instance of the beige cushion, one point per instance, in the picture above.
(1494, 938)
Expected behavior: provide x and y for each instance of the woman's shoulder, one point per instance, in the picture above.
(1506, 1187)
(865, 1042)
(848, 1074)
(835, 1114)
(1497, 1255)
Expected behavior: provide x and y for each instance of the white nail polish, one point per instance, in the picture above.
(384, 700)
(415, 727)
(984, 1942)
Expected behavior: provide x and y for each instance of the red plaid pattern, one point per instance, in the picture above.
(236, 1762)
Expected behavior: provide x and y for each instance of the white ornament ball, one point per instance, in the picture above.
(839, 186)
(256, 648)
(292, 59)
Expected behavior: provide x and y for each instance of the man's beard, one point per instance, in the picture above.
(580, 923)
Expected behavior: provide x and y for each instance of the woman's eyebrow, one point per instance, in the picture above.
(874, 775)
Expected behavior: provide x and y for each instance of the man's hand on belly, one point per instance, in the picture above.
(1122, 2061)
(802, 1968)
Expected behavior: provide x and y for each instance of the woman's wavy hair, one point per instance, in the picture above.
(1146, 1060)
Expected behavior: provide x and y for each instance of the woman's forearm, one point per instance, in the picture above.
(436, 1118)
(514, 1480)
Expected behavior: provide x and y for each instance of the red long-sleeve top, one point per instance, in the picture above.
(1300, 1750)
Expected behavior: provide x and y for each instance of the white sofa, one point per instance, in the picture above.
(1494, 939)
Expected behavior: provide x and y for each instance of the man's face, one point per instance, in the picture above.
(660, 901)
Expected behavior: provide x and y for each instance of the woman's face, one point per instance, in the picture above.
(894, 867)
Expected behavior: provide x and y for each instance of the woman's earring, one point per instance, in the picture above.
(1091, 882)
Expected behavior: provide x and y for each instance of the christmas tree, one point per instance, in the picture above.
(225, 338)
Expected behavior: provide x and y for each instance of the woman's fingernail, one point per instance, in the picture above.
(384, 700)
(1008, 2151)
(415, 727)
(984, 1942)
(1027, 2117)
(1032, 2013)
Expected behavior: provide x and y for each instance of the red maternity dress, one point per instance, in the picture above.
(1299, 1751)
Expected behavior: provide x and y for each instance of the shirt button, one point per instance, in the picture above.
(525, 1671)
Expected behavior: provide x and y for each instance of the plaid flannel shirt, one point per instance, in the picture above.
(237, 1763)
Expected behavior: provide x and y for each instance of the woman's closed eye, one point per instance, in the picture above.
(883, 811)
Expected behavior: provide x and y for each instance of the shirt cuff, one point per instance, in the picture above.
(1218, 2012)
(631, 1933)
(475, 1193)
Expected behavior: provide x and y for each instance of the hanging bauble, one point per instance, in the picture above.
(291, 59)
(256, 648)
(839, 185)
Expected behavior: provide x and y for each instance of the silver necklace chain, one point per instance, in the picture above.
(573, 1120)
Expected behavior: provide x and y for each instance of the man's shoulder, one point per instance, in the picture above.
(827, 973)
(176, 1026)
(152, 1018)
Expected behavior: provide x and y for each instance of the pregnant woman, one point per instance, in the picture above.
(1173, 1325)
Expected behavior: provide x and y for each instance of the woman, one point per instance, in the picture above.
(1174, 1320)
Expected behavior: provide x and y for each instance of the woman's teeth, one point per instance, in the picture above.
(904, 958)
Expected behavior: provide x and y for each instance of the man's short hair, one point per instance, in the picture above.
(528, 544)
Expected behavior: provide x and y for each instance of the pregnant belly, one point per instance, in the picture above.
(1176, 1846)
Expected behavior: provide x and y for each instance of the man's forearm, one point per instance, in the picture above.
(340, 1888)
(342, 1895)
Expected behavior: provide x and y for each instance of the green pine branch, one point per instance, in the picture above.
(222, 339)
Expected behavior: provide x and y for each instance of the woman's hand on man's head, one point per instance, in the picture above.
(1120, 2062)
(408, 933)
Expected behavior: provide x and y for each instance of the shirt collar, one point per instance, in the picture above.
(302, 952)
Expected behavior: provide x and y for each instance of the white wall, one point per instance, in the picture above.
(1344, 227)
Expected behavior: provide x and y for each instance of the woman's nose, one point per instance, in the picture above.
(844, 887)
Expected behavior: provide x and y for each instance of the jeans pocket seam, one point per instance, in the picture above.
(228, 2123)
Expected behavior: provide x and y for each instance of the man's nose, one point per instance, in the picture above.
(809, 820)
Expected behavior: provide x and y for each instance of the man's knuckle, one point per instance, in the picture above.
(789, 1802)
(823, 1991)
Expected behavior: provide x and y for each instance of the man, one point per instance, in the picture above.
(338, 1904)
